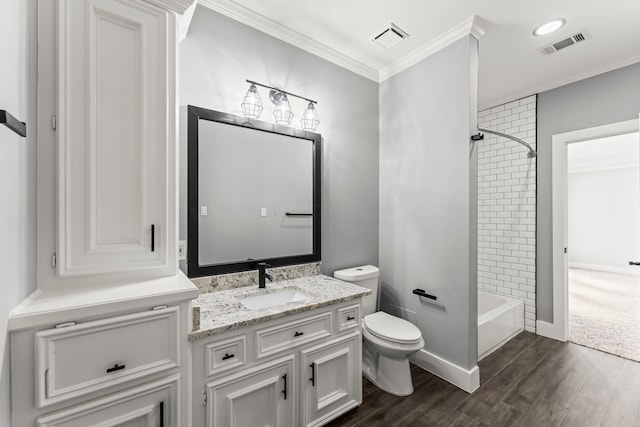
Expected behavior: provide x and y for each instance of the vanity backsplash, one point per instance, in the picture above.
(224, 282)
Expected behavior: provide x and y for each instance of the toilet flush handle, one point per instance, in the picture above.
(422, 293)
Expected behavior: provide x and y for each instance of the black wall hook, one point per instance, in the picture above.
(12, 123)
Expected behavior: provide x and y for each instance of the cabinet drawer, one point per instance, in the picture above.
(288, 335)
(224, 355)
(76, 360)
(348, 317)
(149, 405)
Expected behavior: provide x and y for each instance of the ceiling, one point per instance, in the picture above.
(510, 64)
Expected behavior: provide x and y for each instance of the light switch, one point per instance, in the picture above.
(263, 211)
(203, 210)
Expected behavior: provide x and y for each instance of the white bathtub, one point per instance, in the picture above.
(500, 318)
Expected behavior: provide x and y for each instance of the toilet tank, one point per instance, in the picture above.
(366, 276)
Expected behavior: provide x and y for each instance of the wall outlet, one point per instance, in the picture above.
(182, 250)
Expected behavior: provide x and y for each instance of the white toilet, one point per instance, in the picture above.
(388, 340)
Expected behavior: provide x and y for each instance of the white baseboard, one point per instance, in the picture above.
(632, 271)
(550, 330)
(468, 381)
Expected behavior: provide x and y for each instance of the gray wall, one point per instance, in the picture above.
(599, 100)
(428, 201)
(17, 173)
(216, 58)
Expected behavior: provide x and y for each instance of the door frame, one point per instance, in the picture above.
(559, 329)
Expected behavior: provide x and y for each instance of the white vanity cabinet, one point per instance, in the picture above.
(299, 370)
(118, 368)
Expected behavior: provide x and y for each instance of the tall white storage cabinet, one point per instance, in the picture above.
(103, 340)
(113, 100)
(116, 134)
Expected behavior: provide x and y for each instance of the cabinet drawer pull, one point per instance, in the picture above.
(313, 374)
(162, 414)
(351, 318)
(297, 334)
(284, 391)
(153, 237)
(228, 356)
(115, 368)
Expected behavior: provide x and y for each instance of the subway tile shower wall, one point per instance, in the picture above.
(507, 205)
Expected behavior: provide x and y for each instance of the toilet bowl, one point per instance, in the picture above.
(388, 341)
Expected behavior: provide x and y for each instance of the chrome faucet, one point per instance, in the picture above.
(262, 274)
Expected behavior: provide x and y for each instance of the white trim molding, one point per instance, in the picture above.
(177, 6)
(470, 26)
(467, 380)
(559, 329)
(268, 26)
(229, 8)
(559, 82)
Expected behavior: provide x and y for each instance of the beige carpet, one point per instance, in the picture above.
(604, 312)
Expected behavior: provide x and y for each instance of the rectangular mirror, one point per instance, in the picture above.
(254, 194)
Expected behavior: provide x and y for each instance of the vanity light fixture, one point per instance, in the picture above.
(282, 113)
(549, 27)
(310, 119)
(251, 104)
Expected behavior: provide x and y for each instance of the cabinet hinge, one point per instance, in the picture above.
(46, 383)
(204, 399)
(65, 324)
(53, 261)
(54, 122)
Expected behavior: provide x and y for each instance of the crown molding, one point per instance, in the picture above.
(177, 6)
(558, 83)
(261, 23)
(470, 26)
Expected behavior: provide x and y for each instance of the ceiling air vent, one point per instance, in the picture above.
(564, 43)
(390, 36)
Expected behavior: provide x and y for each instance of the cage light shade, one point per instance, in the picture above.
(251, 104)
(310, 119)
(282, 113)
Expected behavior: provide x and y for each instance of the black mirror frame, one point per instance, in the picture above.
(194, 269)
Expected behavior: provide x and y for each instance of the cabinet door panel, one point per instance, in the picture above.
(151, 405)
(254, 398)
(331, 382)
(114, 137)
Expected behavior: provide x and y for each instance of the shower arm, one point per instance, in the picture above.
(531, 154)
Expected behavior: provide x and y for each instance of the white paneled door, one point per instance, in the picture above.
(116, 120)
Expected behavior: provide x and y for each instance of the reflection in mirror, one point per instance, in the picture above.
(253, 194)
(260, 180)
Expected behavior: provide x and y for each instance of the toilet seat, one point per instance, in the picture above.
(391, 328)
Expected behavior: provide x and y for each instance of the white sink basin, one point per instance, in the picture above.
(272, 299)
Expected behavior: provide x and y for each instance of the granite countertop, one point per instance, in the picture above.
(222, 311)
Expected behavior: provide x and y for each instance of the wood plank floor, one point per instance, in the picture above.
(531, 381)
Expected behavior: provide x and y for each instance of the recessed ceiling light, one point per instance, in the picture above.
(549, 27)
